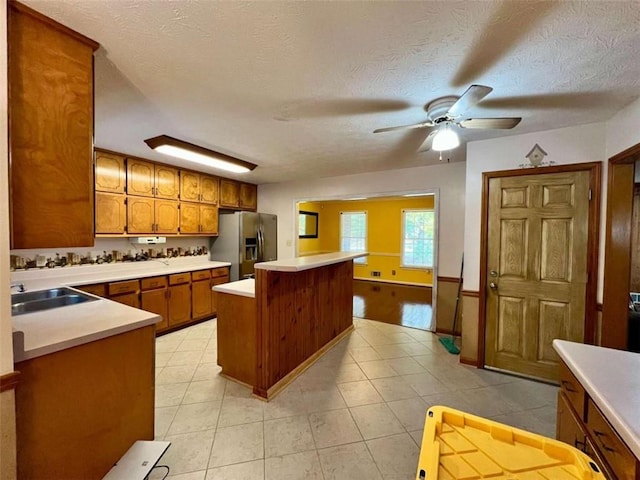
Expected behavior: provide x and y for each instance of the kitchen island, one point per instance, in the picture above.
(599, 405)
(271, 330)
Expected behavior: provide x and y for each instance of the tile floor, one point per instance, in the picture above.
(357, 413)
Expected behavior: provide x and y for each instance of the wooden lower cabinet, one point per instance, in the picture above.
(80, 409)
(126, 292)
(581, 424)
(218, 277)
(200, 294)
(179, 304)
(154, 297)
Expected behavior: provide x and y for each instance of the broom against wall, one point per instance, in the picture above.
(450, 343)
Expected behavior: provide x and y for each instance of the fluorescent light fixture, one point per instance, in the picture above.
(194, 153)
(445, 139)
(417, 194)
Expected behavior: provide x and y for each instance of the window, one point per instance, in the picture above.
(417, 238)
(353, 233)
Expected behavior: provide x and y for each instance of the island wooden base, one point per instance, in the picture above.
(79, 410)
(237, 337)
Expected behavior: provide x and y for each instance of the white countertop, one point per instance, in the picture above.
(306, 263)
(245, 288)
(42, 278)
(611, 379)
(40, 333)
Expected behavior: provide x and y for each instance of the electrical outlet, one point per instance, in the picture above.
(393, 272)
(375, 273)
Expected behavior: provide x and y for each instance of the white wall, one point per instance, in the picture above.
(280, 198)
(584, 143)
(623, 129)
(6, 348)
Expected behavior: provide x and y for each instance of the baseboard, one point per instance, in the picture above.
(446, 331)
(469, 361)
(395, 282)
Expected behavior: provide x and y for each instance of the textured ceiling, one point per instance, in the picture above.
(298, 87)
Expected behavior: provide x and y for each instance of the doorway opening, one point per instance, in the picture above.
(395, 283)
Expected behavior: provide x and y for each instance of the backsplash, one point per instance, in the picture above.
(108, 250)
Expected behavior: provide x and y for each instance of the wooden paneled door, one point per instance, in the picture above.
(537, 265)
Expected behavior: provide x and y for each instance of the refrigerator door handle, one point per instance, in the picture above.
(260, 246)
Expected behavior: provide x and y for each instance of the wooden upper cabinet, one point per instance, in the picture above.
(110, 173)
(209, 189)
(248, 196)
(140, 178)
(189, 186)
(111, 213)
(189, 217)
(167, 182)
(229, 193)
(140, 215)
(209, 219)
(149, 179)
(167, 216)
(51, 123)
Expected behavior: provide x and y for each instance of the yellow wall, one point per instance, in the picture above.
(384, 231)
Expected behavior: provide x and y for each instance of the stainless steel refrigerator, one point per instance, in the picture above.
(245, 238)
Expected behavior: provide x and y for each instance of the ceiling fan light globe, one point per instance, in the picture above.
(445, 139)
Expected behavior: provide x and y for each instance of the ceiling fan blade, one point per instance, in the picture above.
(426, 145)
(491, 123)
(470, 98)
(404, 127)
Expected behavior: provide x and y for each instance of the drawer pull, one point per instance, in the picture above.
(579, 445)
(602, 444)
(568, 386)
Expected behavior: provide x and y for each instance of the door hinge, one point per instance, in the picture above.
(590, 194)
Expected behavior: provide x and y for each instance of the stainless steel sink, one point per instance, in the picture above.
(29, 302)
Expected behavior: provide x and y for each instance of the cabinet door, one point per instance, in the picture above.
(110, 173)
(248, 196)
(189, 186)
(179, 304)
(189, 217)
(167, 216)
(131, 299)
(214, 295)
(111, 213)
(98, 289)
(209, 219)
(209, 189)
(51, 142)
(155, 301)
(201, 299)
(140, 215)
(140, 178)
(229, 193)
(167, 182)
(568, 428)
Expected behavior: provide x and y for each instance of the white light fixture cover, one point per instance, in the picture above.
(195, 153)
(445, 139)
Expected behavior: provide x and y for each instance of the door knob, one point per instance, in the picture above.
(493, 286)
(493, 273)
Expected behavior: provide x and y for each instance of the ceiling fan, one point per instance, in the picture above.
(445, 112)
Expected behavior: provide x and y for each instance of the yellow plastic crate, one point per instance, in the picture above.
(457, 445)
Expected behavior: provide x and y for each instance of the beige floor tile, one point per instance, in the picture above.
(348, 462)
(288, 435)
(170, 394)
(322, 398)
(165, 346)
(364, 354)
(162, 420)
(415, 348)
(287, 403)
(390, 351)
(195, 417)
(355, 340)
(393, 388)
(377, 369)
(205, 391)
(237, 444)
(405, 365)
(456, 399)
(177, 374)
(162, 358)
(333, 428)
(376, 420)
(238, 410)
(207, 371)
(417, 436)
(526, 395)
(410, 412)
(487, 402)
(240, 471)
(348, 373)
(189, 452)
(400, 337)
(297, 466)
(199, 475)
(396, 456)
(189, 357)
(425, 383)
(359, 393)
(189, 344)
(209, 356)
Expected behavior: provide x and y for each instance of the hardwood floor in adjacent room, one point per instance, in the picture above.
(406, 305)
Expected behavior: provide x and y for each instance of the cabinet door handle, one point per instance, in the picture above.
(568, 386)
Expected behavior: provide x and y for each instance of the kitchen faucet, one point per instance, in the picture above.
(20, 287)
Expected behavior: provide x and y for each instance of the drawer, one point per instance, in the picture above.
(609, 445)
(128, 286)
(219, 272)
(595, 455)
(200, 275)
(179, 278)
(573, 390)
(98, 289)
(153, 283)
